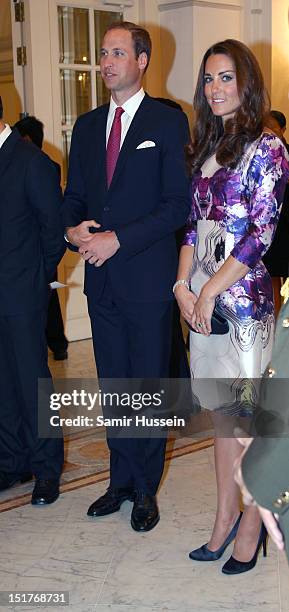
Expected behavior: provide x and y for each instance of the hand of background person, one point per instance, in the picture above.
(202, 315)
(99, 248)
(269, 519)
(186, 301)
(80, 234)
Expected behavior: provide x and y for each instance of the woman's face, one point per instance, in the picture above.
(220, 86)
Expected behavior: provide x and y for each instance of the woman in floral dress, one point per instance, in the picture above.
(239, 174)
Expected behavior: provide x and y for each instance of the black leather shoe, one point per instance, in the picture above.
(60, 355)
(8, 480)
(111, 501)
(45, 492)
(145, 513)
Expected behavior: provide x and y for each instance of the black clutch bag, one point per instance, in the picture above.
(219, 324)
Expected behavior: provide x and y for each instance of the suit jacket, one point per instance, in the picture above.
(266, 464)
(148, 198)
(31, 234)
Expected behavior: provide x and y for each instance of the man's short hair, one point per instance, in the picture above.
(280, 118)
(1, 108)
(32, 127)
(141, 38)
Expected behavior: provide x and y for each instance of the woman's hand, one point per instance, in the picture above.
(186, 300)
(202, 315)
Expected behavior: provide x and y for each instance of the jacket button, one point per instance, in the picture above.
(278, 503)
(106, 209)
(285, 322)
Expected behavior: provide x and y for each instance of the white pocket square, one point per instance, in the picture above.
(146, 144)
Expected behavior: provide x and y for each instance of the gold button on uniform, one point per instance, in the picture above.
(271, 372)
(281, 501)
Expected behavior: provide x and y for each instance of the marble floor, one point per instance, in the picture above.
(106, 566)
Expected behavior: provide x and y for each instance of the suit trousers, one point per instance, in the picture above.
(56, 339)
(23, 359)
(132, 340)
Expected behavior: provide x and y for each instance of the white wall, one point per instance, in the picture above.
(187, 30)
(258, 33)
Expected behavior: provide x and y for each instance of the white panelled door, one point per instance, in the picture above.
(76, 31)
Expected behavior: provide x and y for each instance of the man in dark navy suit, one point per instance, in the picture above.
(32, 129)
(127, 183)
(31, 246)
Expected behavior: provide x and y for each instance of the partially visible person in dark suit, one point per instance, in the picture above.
(262, 470)
(31, 246)
(179, 365)
(31, 129)
(276, 259)
(172, 104)
(127, 183)
(276, 121)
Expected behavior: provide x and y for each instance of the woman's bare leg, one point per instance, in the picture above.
(247, 535)
(228, 493)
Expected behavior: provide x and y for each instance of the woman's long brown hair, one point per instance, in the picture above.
(229, 141)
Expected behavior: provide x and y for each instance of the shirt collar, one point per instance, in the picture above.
(131, 105)
(4, 135)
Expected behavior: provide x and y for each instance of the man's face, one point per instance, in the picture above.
(120, 69)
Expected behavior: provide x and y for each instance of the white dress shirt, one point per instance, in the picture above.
(4, 135)
(130, 107)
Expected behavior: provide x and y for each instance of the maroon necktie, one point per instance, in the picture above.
(113, 145)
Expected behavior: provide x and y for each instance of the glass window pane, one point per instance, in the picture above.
(66, 141)
(75, 94)
(102, 93)
(102, 19)
(73, 28)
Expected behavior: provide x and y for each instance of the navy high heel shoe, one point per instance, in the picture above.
(233, 566)
(205, 554)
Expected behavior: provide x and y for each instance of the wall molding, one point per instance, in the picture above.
(165, 5)
(118, 3)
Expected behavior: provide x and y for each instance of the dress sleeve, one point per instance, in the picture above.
(190, 232)
(266, 181)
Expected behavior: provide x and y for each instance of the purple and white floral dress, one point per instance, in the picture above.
(235, 212)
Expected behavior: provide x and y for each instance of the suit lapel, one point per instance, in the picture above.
(130, 140)
(101, 146)
(94, 143)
